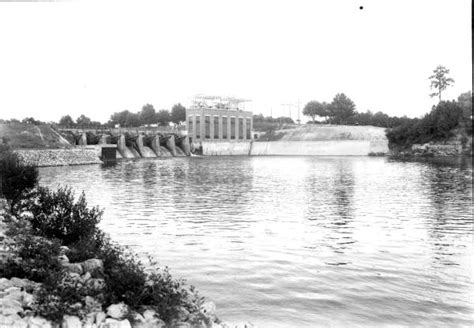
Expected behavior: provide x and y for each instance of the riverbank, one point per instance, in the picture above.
(23, 300)
(455, 147)
(59, 157)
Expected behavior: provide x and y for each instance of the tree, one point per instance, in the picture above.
(465, 101)
(132, 119)
(147, 115)
(341, 109)
(83, 120)
(315, 108)
(125, 118)
(178, 114)
(30, 120)
(66, 121)
(163, 117)
(440, 80)
(119, 118)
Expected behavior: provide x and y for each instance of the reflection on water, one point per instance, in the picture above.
(299, 241)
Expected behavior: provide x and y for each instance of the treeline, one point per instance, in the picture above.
(342, 110)
(268, 119)
(26, 120)
(148, 116)
(268, 123)
(439, 124)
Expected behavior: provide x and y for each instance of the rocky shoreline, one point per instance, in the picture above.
(18, 297)
(450, 148)
(59, 157)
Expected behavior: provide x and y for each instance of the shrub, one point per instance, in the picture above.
(55, 214)
(66, 296)
(167, 296)
(33, 257)
(15, 177)
(124, 275)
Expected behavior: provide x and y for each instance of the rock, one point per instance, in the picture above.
(183, 314)
(21, 283)
(96, 284)
(8, 303)
(12, 289)
(208, 309)
(12, 321)
(19, 323)
(73, 267)
(93, 266)
(100, 317)
(86, 276)
(113, 323)
(70, 321)
(5, 283)
(38, 322)
(182, 325)
(137, 317)
(13, 309)
(63, 259)
(90, 319)
(150, 314)
(28, 300)
(149, 319)
(63, 250)
(14, 295)
(92, 305)
(89, 325)
(117, 311)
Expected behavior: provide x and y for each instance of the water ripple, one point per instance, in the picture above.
(299, 242)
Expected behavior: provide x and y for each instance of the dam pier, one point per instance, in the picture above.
(130, 144)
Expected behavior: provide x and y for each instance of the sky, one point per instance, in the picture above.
(99, 57)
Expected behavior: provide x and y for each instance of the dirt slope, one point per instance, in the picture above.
(29, 136)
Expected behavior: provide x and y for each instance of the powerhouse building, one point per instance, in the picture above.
(218, 118)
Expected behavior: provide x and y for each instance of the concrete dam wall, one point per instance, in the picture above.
(305, 140)
(322, 140)
(136, 146)
(226, 148)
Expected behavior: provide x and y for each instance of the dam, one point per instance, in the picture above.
(219, 136)
(129, 145)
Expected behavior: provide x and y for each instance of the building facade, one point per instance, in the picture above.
(218, 124)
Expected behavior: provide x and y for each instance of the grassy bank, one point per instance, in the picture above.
(31, 136)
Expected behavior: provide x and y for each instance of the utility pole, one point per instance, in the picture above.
(298, 121)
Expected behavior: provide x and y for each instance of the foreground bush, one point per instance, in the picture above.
(44, 221)
(16, 178)
(55, 214)
(54, 218)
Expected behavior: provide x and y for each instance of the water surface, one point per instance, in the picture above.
(299, 241)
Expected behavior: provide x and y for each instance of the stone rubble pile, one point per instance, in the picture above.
(59, 157)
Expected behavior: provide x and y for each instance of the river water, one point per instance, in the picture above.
(299, 241)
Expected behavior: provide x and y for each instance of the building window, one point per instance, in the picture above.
(190, 125)
(216, 127)
(248, 126)
(224, 128)
(232, 128)
(241, 128)
(207, 127)
(198, 126)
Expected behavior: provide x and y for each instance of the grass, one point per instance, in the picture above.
(29, 136)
